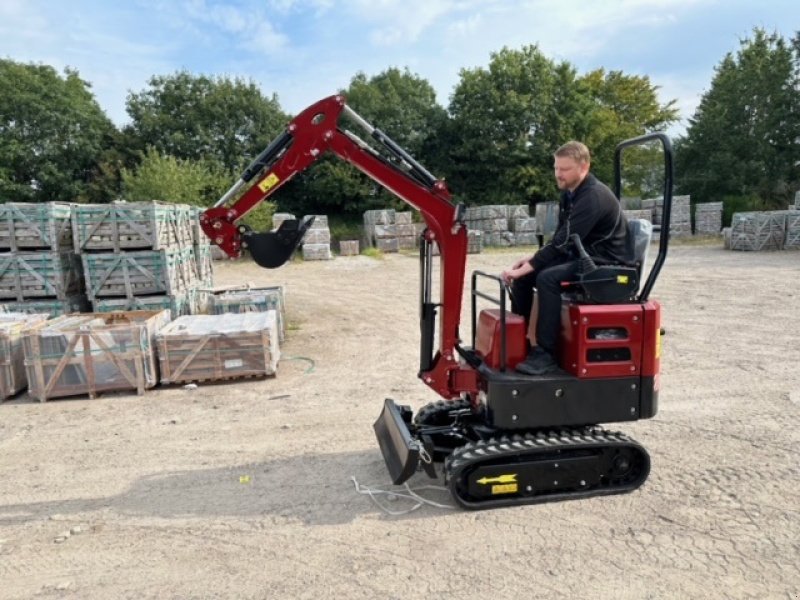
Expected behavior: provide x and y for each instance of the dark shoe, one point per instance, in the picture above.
(538, 362)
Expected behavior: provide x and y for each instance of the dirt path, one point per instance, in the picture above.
(243, 490)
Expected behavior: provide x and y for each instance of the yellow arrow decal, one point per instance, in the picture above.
(499, 479)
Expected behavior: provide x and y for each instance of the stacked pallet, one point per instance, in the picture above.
(496, 222)
(389, 230)
(708, 218)
(39, 269)
(756, 231)
(348, 248)
(74, 355)
(142, 256)
(12, 368)
(792, 239)
(218, 347)
(253, 299)
(317, 241)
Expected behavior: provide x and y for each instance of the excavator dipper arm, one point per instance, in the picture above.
(308, 136)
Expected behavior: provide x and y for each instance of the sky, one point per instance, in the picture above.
(305, 50)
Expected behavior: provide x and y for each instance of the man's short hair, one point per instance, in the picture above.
(575, 150)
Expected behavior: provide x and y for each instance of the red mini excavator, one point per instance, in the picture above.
(503, 438)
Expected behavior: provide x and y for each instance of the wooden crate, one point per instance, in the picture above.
(253, 299)
(35, 226)
(76, 355)
(49, 306)
(218, 347)
(178, 304)
(40, 275)
(12, 367)
(792, 240)
(132, 226)
(129, 274)
(757, 231)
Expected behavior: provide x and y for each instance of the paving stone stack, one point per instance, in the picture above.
(252, 299)
(348, 248)
(641, 213)
(317, 241)
(40, 271)
(502, 225)
(757, 231)
(381, 229)
(142, 255)
(405, 230)
(680, 222)
(708, 218)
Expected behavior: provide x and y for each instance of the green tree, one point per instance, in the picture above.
(622, 107)
(744, 138)
(165, 178)
(53, 136)
(508, 119)
(197, 117)
(399, 103)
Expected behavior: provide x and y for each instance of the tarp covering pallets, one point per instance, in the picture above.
(12, 364)
(132, 226)
(218, 347)
(86, 354)
(25, 275)
(253, 300)
(26, 226)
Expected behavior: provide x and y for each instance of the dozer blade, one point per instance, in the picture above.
(400, 450)
(272, 249)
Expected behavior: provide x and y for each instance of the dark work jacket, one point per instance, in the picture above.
(595, 214)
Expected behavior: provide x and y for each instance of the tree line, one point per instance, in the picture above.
(189, 136)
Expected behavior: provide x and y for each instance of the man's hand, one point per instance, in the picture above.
(519, 269)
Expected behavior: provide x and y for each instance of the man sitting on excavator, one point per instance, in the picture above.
(591, 210)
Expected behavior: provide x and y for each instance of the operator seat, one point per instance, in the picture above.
(610, 283)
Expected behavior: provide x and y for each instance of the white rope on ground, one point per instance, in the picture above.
(409, 494)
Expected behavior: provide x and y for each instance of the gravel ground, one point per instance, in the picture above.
(244, 490)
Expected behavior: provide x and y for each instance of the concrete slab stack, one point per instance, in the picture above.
(317, 241)
(708, 218)
(757, 231)
(39, 268)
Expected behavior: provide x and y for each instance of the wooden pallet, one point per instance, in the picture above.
(35, 226)
(40, 275)
(218, 347)
(132, 226)
(129, 274)
(178, 304)
(78, 355)
(49, 306)
(12, 366)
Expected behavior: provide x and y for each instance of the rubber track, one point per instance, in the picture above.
(546, 441)
(440, 407)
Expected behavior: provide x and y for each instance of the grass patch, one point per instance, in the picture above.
(373, 253)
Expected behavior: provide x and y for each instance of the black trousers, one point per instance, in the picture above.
(547, 284)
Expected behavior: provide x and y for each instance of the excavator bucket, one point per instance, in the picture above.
(274, 248)
(400, 450)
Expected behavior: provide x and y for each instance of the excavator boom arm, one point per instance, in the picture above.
(309, 135)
